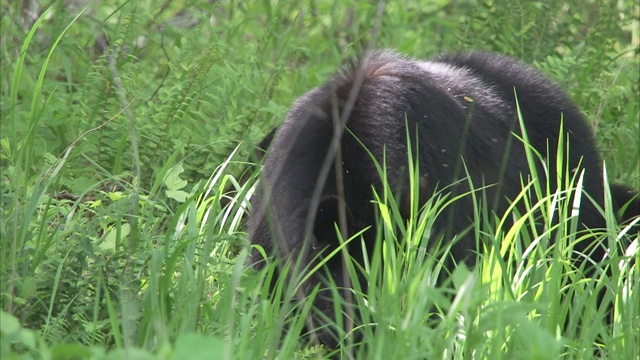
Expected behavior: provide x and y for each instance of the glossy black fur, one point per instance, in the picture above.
(458, 106)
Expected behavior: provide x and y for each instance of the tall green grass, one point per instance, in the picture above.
(530, 296)
(119, 237)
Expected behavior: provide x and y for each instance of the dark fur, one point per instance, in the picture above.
(458, 106)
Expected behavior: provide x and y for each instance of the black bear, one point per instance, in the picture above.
(460, 112)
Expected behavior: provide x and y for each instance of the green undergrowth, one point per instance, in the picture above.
(125, 126)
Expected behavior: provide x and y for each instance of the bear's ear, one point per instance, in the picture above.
(626, 202)
(263, 146)
(405, 201)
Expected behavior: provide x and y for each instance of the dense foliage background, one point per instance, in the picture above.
(123, 122)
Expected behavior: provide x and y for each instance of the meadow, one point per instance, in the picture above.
(127, 142)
